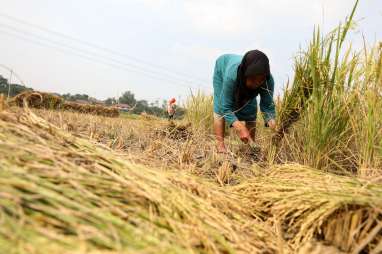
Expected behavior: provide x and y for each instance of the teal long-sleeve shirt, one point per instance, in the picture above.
(224, 82)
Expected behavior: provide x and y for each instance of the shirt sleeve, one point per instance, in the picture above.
(228, 105)
(267, 106)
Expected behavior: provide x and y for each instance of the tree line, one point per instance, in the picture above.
(12, 89)
(135, 106)
(156, 108)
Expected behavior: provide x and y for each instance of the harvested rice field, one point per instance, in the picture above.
(75, 183)
(78, 179)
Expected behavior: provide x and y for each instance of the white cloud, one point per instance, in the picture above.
(222, 17)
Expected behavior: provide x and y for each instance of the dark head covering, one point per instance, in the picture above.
(254, 63)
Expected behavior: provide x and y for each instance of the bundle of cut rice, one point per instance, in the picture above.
(308, 203)
(37, 100)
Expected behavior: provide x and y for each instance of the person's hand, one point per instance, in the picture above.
(222, 149)
(243, 132)
(272, 124)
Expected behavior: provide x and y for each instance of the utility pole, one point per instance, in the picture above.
(9, 83)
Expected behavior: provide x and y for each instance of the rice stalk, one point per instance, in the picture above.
(310, 204)
(334, 98)
(313, 69)
(199, 111)
(367, 120)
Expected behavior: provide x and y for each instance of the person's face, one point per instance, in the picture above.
(255, 81)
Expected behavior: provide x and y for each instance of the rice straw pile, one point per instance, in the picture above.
(37, 100)
(61, 194)
(90, 109)
(41, 100)
(307, 203)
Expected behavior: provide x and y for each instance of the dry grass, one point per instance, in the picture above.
(157, 143)
(307, 203)
(79, 183)
(67, 194)
(163, 179)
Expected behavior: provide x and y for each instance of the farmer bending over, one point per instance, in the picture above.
(237, 81)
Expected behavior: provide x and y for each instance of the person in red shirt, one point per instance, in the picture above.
(171, 108)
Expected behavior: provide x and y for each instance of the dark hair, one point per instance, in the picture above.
(253, 63)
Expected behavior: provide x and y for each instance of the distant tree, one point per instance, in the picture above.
(75, 97)
(153, 108)
(143, 103)
(164, 104)
(180, 111)
(110, 101)
(14, 89)
(128, 98)
(17, 89)
(84, 97)
(140, 106)
(3, 80)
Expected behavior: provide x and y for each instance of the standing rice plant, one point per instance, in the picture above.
(341, 126)
(323, 99)
(327, 132)
(367, 119)
(199, 111)
(315, 69)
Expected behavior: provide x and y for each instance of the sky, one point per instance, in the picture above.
(160, 48)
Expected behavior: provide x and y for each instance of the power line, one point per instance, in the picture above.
(95, 46)
(87, 52)
(92, 58)
(13, 73)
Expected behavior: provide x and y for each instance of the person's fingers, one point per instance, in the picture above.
(244, 139)
(271, 124)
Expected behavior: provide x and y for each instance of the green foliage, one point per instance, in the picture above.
(128, 98)
(140, 106)
(75, 97)
(14, 89)
(3, 80)
(316, 69)
(110, 101)
(335, 103)
(143, 106)
(367, 118)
